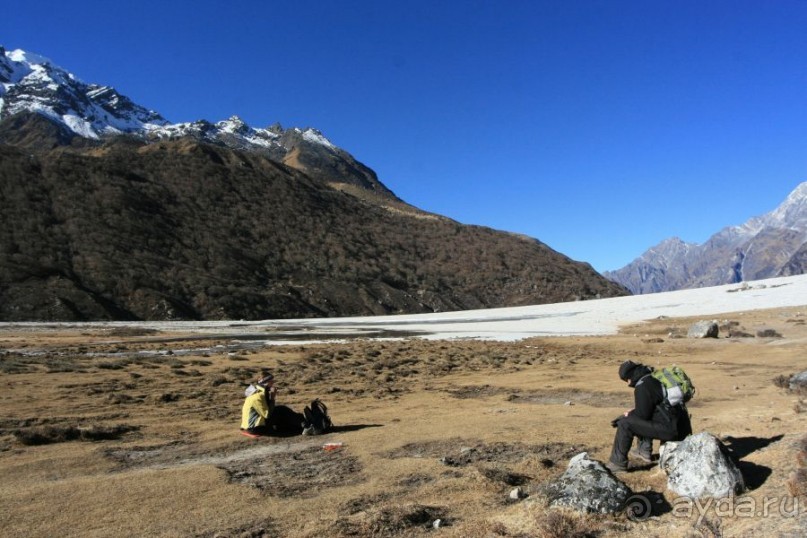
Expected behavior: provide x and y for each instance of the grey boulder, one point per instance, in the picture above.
(587, 486)
(703, 329)
(798, 381)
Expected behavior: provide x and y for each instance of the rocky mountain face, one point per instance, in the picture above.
(111, 212)
(774, 244)
(32, 83)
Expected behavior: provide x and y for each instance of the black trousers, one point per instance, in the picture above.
(647, 430)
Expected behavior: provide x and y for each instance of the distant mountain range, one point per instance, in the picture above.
(774, 244)
(109, 211)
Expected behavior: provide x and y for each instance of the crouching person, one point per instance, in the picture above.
(260, 414)
(651, 418)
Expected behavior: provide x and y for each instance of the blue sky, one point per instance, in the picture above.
(599, 127)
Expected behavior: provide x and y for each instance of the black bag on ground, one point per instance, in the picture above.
(283, 419)
(317, 420)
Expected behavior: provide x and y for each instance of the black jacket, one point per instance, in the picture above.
(649, 401)
(650, 405)
(648, 394)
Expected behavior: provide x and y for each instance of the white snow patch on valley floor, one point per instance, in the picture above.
(594, 317)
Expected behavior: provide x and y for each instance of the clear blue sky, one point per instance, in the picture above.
(599, 127)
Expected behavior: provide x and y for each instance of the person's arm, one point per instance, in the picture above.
(644, 403)
(262, 406)
(270, 399)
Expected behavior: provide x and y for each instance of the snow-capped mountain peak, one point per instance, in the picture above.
(29, 58)
(233, 125)
(792, 213)
(315, 137)
(33, 83)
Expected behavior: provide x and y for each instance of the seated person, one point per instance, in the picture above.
(261, 416)
(651, 418)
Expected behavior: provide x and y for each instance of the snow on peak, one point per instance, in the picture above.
(798, 194)
(316, 137)
(89, 110)
(233, 125)
(30, 58)
(94, 110)
(792, 213)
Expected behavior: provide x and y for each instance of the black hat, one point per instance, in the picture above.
(626, 370)
(266, 379)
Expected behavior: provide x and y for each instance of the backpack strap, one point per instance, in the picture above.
(641, 380)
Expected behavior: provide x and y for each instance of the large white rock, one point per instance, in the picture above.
(700, 466)
(704, 329)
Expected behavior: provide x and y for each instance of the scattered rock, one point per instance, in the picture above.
(798, 381)
(703, 329)
(587, 486)
(700, 466)
(768, 333)
(517, 494)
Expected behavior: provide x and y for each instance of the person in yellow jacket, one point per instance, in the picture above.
(260, 415)
(259, 405)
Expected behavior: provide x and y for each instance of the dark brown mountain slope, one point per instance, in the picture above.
(185, 230)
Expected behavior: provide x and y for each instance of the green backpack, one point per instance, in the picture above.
(678, 387)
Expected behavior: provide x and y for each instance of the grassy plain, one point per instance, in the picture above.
(135, 432)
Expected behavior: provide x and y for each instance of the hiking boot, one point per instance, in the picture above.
(644, 457)
(616, 467)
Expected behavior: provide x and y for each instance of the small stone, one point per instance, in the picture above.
(517, 493)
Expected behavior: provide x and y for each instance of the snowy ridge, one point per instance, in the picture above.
(32, 83)
(315, 137)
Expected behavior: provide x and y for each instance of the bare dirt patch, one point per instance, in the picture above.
(572, 396)
(264, 528)
(44, 435)
(389, 521)
(297, 474)
(458, 452)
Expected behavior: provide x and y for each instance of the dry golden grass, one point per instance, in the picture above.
(98, 438)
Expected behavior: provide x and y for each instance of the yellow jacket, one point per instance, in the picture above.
(256, 409)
